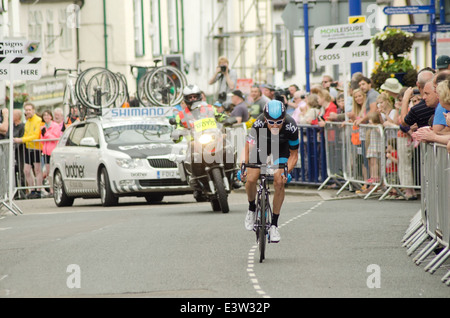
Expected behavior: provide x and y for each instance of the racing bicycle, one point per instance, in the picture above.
(264, 213)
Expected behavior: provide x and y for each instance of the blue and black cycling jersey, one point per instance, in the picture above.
(278, 145)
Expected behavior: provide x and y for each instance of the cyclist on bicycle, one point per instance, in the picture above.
(276, 133)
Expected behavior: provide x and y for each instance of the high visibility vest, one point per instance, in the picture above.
(187, 117)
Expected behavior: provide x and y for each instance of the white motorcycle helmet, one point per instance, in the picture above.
(192, 94)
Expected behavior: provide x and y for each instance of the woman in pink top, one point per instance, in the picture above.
(50, 130)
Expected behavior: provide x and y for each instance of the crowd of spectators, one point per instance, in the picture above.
(35, 137)
(419, 113)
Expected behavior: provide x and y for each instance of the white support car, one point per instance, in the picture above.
(114, 157)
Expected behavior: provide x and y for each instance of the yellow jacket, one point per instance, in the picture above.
(32, 132)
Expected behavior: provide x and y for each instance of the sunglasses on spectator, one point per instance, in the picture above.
(272, 122)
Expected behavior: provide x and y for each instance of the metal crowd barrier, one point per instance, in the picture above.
(358, 156)
(4, 175)
(312, 163)
(431, 225)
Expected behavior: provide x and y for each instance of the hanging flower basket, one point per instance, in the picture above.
(394, 46)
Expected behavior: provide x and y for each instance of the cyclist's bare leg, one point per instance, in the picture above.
(278, 197)
(250, 185)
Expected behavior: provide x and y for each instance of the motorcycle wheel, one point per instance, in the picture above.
(222, 195)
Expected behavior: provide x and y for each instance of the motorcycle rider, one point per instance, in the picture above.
(195, 110)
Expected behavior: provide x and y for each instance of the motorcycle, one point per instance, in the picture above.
(210, 162)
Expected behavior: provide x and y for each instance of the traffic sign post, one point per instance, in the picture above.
(19, 60)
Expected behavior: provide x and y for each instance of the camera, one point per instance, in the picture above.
(416, 91)
(279, 93)
(223, 68)
(334, 84)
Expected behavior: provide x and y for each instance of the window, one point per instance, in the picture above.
(50, 35)
(139, 28)
(92, 131)
(155, 30)
(66, 36)
(76, 136)
(35, 25)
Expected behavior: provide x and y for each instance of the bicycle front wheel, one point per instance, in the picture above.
(261, 230)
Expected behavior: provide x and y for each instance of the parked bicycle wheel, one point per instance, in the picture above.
(97, 88)
(163, 86)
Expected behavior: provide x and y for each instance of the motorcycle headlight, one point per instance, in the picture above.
(129, 163)
(205, 139)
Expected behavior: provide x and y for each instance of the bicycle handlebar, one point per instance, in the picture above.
(265, 167)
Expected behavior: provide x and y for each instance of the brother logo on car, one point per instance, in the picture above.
(74, 171)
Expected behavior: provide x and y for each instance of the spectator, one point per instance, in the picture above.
(365, 84)
(268, 91)
(443, 63)
(219, 107)
(4, 123)
(391, 165)
(389, 116)
(50, 130)
(258, 101)
(328, 107)
(19, 152)
(340, 115)
(240, 110)
(428, 134)
(32, 132)
(358, 105)
(292, 105)
(58, 118)
(72, 117)
(420, 113)
(330, 86)
(301, 109)
(313, 109)
(392, 87)
(374, 148)
(226, 79)
(439, 122)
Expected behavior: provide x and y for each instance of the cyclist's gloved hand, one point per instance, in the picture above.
(239, 175)
(289, 177)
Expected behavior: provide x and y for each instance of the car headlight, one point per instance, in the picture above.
(129, 163)
(205, 139)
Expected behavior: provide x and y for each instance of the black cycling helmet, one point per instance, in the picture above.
(274, 110)
(189, 91)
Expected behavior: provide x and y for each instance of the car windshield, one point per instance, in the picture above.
(137, 133)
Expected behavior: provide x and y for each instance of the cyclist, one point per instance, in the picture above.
(276, 133)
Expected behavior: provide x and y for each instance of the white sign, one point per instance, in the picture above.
(346, 43)
(20, 60)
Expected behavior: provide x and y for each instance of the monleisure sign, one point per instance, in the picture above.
(346, 43)
(20, 60)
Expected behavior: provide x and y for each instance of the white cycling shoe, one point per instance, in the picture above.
(250, 220)
(274, 234)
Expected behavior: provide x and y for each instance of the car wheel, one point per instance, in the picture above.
(154, 197)
(104, 188)
(59, 194)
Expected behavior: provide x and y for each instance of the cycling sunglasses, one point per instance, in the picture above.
(272, 122)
